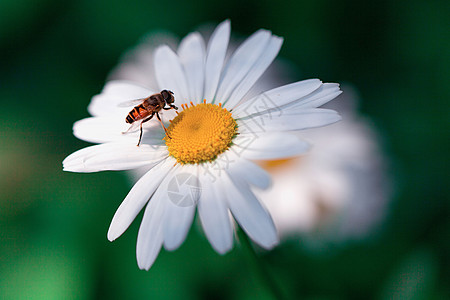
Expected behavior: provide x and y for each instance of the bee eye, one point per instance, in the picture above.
(164, 94)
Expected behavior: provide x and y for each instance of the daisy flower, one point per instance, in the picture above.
(204, 162)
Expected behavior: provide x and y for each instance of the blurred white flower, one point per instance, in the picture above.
(205, 159)
(339, 190)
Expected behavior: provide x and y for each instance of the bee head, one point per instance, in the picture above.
(168, 96)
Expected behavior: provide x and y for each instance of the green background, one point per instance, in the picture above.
(55, 55)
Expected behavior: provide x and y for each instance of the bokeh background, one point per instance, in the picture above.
(55, 55)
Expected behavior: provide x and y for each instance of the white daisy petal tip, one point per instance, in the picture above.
(269, 244)
(223, 250)
(225, 23)
(111, 236)
(114, 233)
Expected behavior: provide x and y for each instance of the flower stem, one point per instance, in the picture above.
(259, 266)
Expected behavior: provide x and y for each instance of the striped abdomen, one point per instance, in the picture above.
(136, 114)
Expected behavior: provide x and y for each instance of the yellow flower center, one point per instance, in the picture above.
(200, 133)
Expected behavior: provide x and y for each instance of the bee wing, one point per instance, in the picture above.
(129, 103)
(133, 127)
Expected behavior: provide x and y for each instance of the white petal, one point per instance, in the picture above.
(136, 199)
(269, 146)
(263, 62)
(241, 62)
(327, 92)
(192, 57)
(150, 235)
(150, 239)
(249, 172)
(279, 101)
(170, 74)
(112, 129)
(183, 192)
(214, 214)
(249, 213)
(137, 64)
(276, 98)
(177, 222)
(101, 129)
(289, 119)
(113, 94)
(113, 156)
(217, 49)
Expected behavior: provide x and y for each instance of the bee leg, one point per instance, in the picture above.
(140, 126)
(157, 115)
(170, 107)
(140, 135)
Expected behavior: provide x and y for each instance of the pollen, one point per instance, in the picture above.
(200, 133)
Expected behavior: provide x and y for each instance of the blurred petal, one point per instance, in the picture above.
(137, 64)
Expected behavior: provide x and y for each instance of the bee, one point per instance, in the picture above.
(147, 108)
